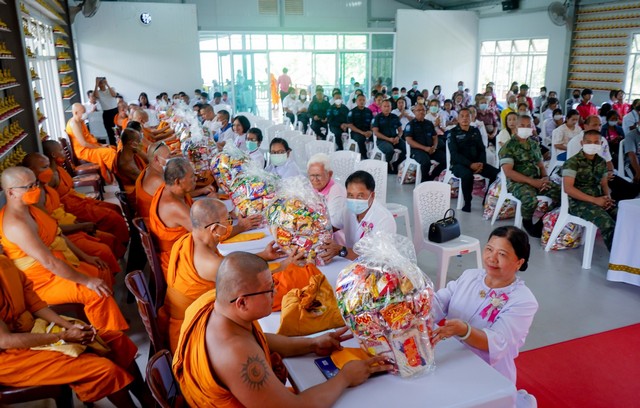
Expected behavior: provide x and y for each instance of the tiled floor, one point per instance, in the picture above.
(573, 302)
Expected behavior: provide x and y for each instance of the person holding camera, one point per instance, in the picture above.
(106, 95)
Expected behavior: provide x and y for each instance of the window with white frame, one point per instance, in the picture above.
(505, 61)
(632, 87)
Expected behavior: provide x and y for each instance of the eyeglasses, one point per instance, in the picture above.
(217, 224)
(316, 176)
(29, 187)
(159, 146)
(272, 291)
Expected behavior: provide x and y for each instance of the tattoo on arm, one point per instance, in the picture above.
(255, 372)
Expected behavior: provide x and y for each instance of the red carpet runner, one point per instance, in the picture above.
(601, 370)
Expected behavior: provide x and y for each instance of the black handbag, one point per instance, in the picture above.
(445, 229)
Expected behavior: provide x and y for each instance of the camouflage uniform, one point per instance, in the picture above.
(525, 158)
(588, 174)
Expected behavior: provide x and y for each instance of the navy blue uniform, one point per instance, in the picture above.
(337, 116)
(423, 133)
(388, 126)
(361, 119)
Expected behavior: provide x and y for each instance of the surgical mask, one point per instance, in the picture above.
(403, 94)
(46, 176)
(436, 92)
(513, 106)
(215, 126)
(524, 133)
(303, 97)
(591, 149)
(612, 123)
(252, 145)
(278, 159)
(460, 87)
(433, 109)
(558, 117)
(543, 94)
(357, 206)
(338, 102)
(395, 96)
(414, 87)
(483, 106)
(31, 197)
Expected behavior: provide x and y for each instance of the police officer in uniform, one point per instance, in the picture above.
(422, 137)
(359, 121)
(388, 130)
(318, 109)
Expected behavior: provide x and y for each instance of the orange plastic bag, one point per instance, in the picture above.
(292, 277)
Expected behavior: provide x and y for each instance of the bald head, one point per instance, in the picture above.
(177, 169)
(17, 176)
(50, 147)
(77, 109)
(139, 115)
(206, 211)
(238, 274)
(158, 149)
(36, 162)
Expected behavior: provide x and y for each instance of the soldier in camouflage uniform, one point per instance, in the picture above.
(586, 183)
(521, 160)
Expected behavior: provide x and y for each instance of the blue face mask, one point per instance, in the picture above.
(252, 146)
(357, 206)
(483, 106)
(278, 159)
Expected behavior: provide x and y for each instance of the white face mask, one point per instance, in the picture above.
(215, 126)
(338, 102)
(358, 206)
(278, 159)
(613, 123)
(524, 133)
(460, 87)
(513, 106)
(558, 117)
(543, 94)
(591, 149)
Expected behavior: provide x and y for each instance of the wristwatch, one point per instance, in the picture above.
(343, 252)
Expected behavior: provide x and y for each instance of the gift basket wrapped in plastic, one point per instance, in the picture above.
(199, 150)
(385, 299)
(252, 189)
(298, 217)
(227, 164)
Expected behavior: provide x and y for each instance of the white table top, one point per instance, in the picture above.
(248, 246)
(625, 259)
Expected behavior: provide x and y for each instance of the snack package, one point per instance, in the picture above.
(508, 209)
(199, 151)
(385, 299)
(226, 165)
(454, 182)
(570, 236)
(410, 177)
(252, 189)
(298, 216)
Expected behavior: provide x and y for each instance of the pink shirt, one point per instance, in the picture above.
(375, 109)
(284, 81)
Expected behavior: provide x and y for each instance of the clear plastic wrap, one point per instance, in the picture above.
(298, 216)
(252, 189)
(226, 165)
(570, 236)
(385, 299)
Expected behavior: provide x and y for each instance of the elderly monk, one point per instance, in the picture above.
(122, 118)
(151, 178)
(107, 216)
(150, 134)
(86, 146)
(97, 244)
(32, 240)
(195, 260)
(90, 376)
(238, 370)
(129, 162)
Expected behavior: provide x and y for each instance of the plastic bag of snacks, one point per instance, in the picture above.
(199, 151)
(570, 236)
(385, 299)
(454, 182)
(298, 216)
(226, 165)
(252, 190)
(410, 177)
(508, 209)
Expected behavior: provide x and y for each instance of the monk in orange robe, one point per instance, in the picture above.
(129, 162)
(60, 272)
(150, 134)
(90, 376)
(107, 216)
(86, 146)
(222, 328)
(151, 178)
(122, 118)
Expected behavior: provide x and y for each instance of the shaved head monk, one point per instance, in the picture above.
(90, 376)
(151, 134)
(130, 162)
(151, 178)
(58, 269)
(107, 216)
(122, 118)
(84, 235)
(86, 146)
(195, 259)
(223, 328)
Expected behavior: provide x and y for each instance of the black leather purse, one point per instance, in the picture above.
(445, 229)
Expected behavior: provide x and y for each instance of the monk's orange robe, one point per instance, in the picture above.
(103, 156)
(143, 199)
(90, 376)
(107, 216)
(164, 236)
(102, 312)
(184, 286)
(99, 245)
(119, 122)
(129, 184)
(191, 365)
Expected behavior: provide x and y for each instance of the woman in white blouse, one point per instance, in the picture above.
(403, 113)
(562, 134)
(510, 130)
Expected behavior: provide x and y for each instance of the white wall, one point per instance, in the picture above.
(163, 56)
(450, 55)
(525, 25)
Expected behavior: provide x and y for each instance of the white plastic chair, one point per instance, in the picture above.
(431, 200)
(375, 153)
(378, 169)
(319, 146)
(351, 144)
(554, 162)
(506, 195)
(565, 218)
(343, 163)
(299, 152)
(408, 163)
(627, 175)
(289, 135)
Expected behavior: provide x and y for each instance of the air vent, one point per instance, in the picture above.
(268, 7)
(294, 7)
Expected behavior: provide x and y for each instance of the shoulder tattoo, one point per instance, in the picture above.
(255, 372)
